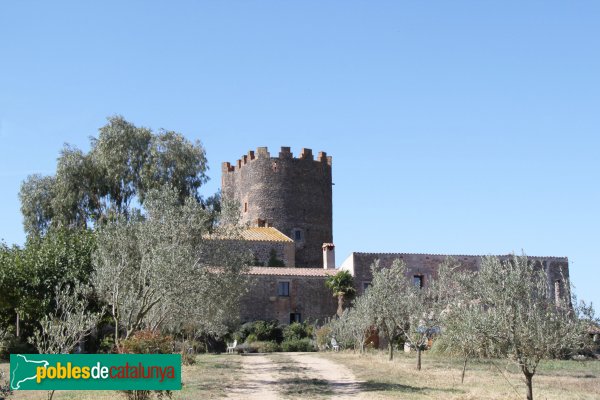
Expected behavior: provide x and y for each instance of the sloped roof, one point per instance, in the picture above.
(265, 235)
(292, 271)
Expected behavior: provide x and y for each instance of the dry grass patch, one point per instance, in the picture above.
(440, 378)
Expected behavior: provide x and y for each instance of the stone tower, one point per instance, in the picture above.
(288, 193)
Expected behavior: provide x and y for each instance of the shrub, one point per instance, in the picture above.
(14, 345)
(297, 330)
(304, 344)
(323, 336)
(148, 342)
(265, 347)
(268, 331)
(251, 338)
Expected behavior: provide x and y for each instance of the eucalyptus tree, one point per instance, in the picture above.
(123, 164)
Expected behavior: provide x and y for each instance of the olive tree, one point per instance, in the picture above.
(402, 309)
(161, 269)
(515, 314)
(71, 320)
(385, 297)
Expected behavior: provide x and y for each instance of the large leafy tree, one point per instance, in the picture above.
(342, 286)
(28, 275)
(124, 163)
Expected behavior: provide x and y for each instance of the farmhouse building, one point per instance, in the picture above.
(286, 202)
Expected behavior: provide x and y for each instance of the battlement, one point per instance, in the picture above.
(284, 154)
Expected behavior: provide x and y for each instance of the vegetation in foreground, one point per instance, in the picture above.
(484, 379)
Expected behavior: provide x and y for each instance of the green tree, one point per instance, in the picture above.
(513, 306)
(124, 163)
(160, 270)
(274, 261)
(28, 275)
(386, 301)
(342, 286)
(402, 309)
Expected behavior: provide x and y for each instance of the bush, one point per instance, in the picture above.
(264, 331)
(323, 336)
(305, 344)
(251, 338)
(147, 342)
(14, 345)
(268, 331)
(265, 347)
(297, 330)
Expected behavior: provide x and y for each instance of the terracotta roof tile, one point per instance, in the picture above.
(292, 271)
(265, 235)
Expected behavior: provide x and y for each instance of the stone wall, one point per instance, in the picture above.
(291, 194)
(426, 265)
(308, 296)
(260, 250)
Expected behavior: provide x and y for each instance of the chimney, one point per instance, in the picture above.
(328, 256)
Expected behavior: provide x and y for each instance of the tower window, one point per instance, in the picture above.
(297, 235)
(246, 207)
(418, 281)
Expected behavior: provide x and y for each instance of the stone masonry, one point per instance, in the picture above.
(288, 193)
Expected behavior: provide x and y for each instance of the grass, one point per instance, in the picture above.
(440, 378)
(213, 376)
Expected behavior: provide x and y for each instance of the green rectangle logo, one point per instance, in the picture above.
(95, 371)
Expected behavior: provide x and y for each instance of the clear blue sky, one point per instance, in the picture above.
(455, 127)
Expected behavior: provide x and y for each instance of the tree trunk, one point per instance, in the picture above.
(116, 333)
(418, 358)
(340, 309)
(462, 379)
(18, 326)
(391, 348)
(529, 380)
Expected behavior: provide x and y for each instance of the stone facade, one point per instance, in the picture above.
(425, 266)
(291, 194)
(294, 196)
(304, 296)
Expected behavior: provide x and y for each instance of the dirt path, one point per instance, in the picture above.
(259, 380)
(339, 378)
(290, 375)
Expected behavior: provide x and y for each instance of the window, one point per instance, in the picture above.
(418, 281)
(246, 207)
(366, 285)
(297, 235)
(283, 289)
(295, 317)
